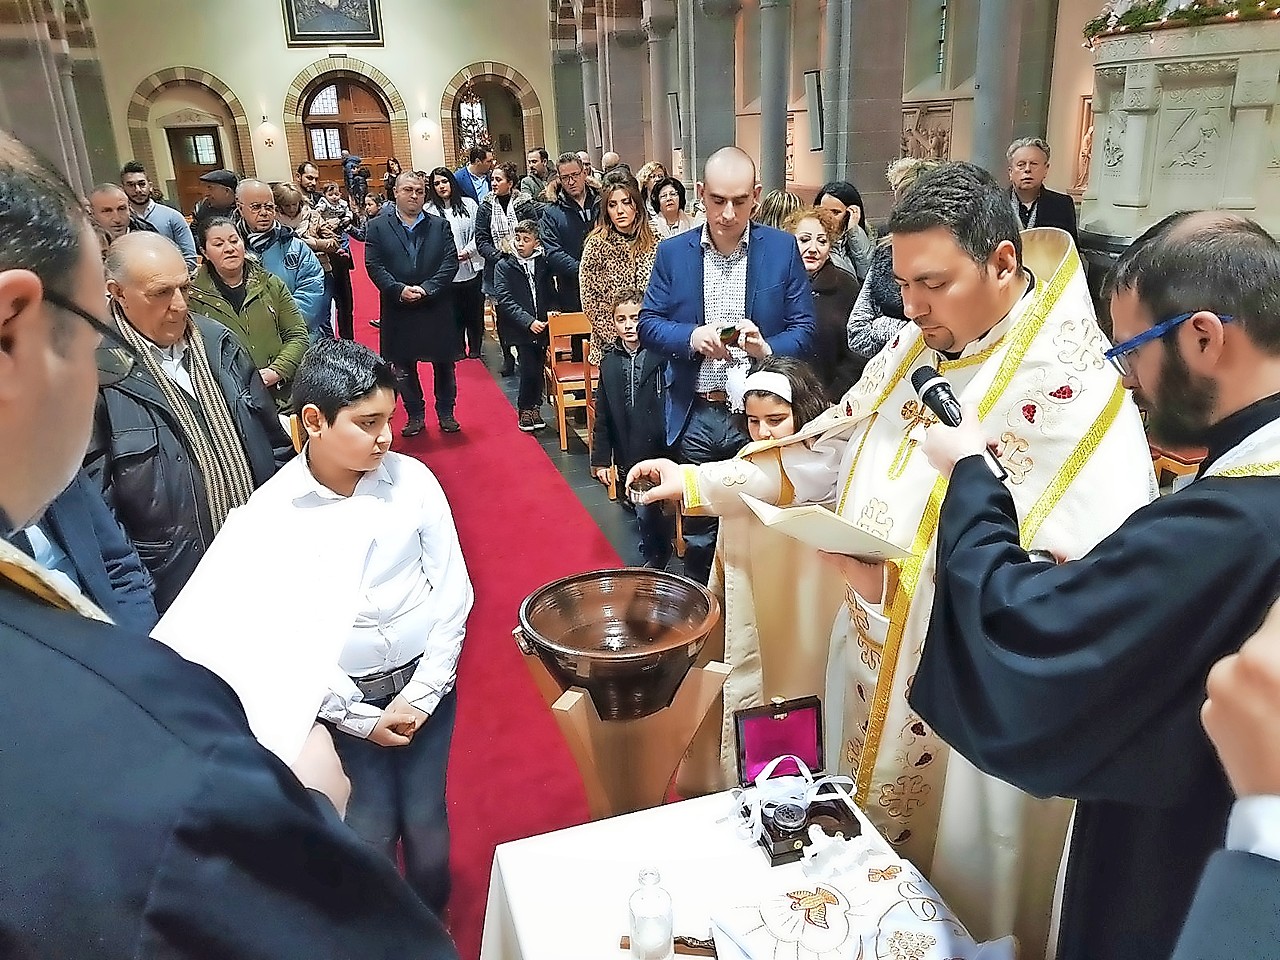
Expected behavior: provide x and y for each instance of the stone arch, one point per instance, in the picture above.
(334, 68)
(508, 77)
(145, 94)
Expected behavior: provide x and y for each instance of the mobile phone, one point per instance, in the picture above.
(729, 334)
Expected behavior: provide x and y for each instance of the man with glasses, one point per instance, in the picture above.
(141, 816)
(167, 221)
(564, 227)
(1085, 679)
(412, 260)
(285, 254)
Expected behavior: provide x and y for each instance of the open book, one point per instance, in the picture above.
(824, 529)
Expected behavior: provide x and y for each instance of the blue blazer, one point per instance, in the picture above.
(779, 302)
(463, 178)
(106, 564)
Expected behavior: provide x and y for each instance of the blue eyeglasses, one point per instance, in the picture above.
(1120, 353)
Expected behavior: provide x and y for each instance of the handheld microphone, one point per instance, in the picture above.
(934, 391)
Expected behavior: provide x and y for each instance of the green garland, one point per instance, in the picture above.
(1152, 15)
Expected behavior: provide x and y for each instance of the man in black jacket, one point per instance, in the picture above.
(565, 225)
(1033, 202)
(141, 818)
(412, 259)
(185, 430)
(630, 421)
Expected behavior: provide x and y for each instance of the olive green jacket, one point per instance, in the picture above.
(270, 325)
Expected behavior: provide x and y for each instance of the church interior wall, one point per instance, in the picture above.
(1072, 82)
(242, 43)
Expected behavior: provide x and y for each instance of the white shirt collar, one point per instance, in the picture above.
(743, 244)
(996, 333)
(308, 487)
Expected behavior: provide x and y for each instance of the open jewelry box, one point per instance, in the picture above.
(789, 728)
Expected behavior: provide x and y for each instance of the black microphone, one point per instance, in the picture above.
(934, 391)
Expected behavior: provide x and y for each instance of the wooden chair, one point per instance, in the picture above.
(568, 383)
(1180, 463)
(293, 424)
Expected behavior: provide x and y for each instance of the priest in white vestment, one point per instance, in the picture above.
(1008, 320)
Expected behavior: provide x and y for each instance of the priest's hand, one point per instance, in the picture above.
(395, 727)
(865, 576)
(318, 768)
(1242, 714)
(668, 483)
(946, 446)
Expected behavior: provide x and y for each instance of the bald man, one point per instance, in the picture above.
(609, 161)
(184, 430)
(719, 299)
(109, 208)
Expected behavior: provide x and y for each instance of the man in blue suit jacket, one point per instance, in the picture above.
(473, 177)
(80, 537)
(732, 273)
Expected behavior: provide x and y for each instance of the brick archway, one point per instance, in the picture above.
(508, 77)
(146, 93)
(336, 68)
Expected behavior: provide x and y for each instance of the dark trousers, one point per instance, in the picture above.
(468, 313)
(397, 795)
(446, 387)
(531, 358)
(343, 297)
(712, 433)
(656, 528)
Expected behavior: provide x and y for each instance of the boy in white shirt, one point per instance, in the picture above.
(392, 696)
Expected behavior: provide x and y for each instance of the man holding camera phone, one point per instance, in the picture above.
(719, 298)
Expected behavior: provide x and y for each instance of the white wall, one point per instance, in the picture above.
(1072, 79)
(242, 42)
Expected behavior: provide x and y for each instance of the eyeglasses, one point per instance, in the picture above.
(108, 333)
(1120, 353)
(258, 207)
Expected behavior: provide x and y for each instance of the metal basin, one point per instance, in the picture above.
(628, 637)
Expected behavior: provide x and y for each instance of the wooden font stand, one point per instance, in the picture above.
(627, 765)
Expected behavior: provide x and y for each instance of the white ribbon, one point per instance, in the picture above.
(766, 795)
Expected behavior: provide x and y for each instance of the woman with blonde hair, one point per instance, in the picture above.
(617, 255)
(648, 175)
(775, 207)
(878, 313)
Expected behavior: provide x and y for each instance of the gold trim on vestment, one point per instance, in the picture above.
(692, 493)
(1084, 450)
(1023, 336)
(1269, 469)
(786, 489)
(844, 494)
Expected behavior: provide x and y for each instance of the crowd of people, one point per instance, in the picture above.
(744, 344)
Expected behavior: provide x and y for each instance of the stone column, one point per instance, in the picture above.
(67, 81)
(995, 82)
(712, 80)
(571, 125)
(588, 55)
(1253, 97)
(624, 89)
(835, 87)
(775, 91)
(657, 31)
(684, 86)
(1141, 106)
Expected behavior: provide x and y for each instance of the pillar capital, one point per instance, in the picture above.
(588, 50)
(720, 8)
(658, 26)
(627, 36)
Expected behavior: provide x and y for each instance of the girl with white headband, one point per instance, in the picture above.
(780, 397)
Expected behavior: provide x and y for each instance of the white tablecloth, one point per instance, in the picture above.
(563, 895)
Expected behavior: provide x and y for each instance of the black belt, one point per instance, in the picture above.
(383, 686)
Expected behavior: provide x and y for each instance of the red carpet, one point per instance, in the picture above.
(510, 773)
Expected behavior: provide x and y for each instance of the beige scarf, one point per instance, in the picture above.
(219, 453)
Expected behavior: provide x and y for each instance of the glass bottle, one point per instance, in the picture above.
(651, 932)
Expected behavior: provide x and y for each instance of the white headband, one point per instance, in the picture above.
(769, 382)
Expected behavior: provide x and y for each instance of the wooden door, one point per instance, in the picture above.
(195, 151)
(371, 142)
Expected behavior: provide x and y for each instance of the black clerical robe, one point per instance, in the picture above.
(1086, 679)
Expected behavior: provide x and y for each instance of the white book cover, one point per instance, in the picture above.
(824, 529)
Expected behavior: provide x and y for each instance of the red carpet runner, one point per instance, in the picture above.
(510, 773)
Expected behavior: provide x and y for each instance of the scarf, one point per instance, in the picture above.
(224, 467)
(503, 223)
(1030, 222)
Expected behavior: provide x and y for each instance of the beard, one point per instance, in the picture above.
(1184, 404)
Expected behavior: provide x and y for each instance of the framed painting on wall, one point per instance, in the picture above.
(309, 23)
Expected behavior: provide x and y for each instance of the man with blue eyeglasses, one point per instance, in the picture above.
(1086, 679)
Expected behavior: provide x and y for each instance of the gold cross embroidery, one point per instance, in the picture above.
(1079, 345)
(1012, 454)
(875, 518)
(915, 414)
